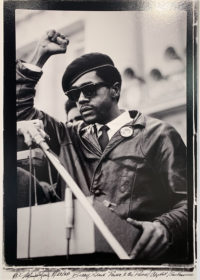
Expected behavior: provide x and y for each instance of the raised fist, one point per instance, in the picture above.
(50, 44)
(54, 42)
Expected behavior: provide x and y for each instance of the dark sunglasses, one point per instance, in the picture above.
(88, 91)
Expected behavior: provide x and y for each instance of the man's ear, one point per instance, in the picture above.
(115, 91)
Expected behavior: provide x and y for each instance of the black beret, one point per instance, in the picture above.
(82, 65)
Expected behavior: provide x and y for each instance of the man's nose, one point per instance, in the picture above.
(82, 98)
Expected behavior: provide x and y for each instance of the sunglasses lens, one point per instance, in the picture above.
(73, 94)
(88, 91)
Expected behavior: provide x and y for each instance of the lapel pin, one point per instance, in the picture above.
(126, 131)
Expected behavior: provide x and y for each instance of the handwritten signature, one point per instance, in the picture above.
(72, 274)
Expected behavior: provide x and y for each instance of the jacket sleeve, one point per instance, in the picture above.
(170, 163)
(26, 80)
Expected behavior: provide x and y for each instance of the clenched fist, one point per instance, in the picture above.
(54, 42)
(50, 44)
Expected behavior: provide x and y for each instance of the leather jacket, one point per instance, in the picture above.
(142, 175)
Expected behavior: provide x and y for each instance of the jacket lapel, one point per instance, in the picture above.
(91, 141)
(118, 137)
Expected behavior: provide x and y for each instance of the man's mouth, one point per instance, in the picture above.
(85, 109)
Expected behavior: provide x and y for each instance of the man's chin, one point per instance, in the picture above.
(89, 119)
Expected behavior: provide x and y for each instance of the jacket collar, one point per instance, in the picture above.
(138, 118)
(84, 131)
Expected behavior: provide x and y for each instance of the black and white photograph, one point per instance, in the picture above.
(99, 144)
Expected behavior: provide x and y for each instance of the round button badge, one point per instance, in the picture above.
(126, 131)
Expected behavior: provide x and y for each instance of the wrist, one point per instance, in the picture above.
(39, 59)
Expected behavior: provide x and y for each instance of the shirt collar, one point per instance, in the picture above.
(116, 124)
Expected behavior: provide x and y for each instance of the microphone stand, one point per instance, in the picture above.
(69, 217)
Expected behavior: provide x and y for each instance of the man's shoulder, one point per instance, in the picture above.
(158, 131)
(147, 121)
(154, 128)
(153, 123)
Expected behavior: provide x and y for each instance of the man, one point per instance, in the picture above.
(135, 163)
(72, 112)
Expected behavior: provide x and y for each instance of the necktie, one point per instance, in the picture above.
(103, 139)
